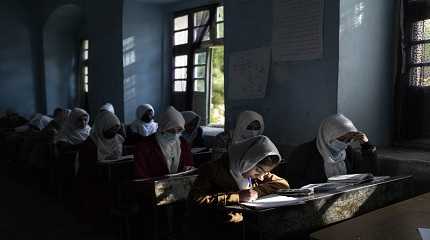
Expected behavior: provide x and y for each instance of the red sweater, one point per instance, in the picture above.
(150, 162)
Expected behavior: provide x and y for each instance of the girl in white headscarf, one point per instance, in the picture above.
(105, 135)
(76, 128)
(330, 153)
(192, 132)
(248, 124)
(164, 152)
(107, 107)
(144, 124)
(241, 175)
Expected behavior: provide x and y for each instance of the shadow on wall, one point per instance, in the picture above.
(61, 43)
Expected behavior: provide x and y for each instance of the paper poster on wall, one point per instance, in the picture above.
(249, 73)
(297, 30)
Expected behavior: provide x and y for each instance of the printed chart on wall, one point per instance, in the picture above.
(297, 30)
(249, 73)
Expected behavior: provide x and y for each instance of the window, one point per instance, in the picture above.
(195, 35)
(419, 53)
(84, 64)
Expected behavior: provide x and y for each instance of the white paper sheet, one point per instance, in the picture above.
(297, 30)
(249, 73)
(424, 233)
(273, 200)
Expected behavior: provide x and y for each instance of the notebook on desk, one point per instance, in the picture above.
(272, 201)
(351, 178)
(184, 173)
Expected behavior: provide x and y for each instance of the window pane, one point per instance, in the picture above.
(181, 38)
(200, 58)
(181, 61)
(197, 32)
(421, 30)
(86, 70)
(199, 86)
(220, 30)
(220, 14)
(419, 76)
(180, 86)
(181, 23)
(181, 73)
(201, 18)
(86, 88)
(85, 44)
(420, 53)
(200, 72)
(85, 55)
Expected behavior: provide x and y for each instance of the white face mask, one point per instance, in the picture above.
(338, 146)
(167, 136)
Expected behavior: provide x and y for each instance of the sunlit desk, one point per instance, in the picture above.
(323, 209)
(396, 222)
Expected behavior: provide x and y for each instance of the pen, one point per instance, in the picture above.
(250, 182)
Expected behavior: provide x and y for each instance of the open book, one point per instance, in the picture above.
(351, 178)
(273, 200)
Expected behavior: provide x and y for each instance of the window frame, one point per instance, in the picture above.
(189, 48)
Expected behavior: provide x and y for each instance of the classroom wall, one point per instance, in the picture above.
(142, 56)
(18, 85)
(299, 94)
(366, 66)
(61, 56)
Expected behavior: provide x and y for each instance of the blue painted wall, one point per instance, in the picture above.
(299, 94)
(18, 85)
(142, 56)
(366, 62)
(61, 59)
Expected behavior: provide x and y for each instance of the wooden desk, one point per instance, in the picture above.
(164, 196)
(323, 209)
(399, 221)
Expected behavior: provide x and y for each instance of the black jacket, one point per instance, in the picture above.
(306, 165)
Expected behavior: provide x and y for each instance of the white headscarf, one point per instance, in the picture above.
(189, 116)
(170, 144)
(40, 121)
(108, 107)
(245, 118)
(331, 128)
(247, 154)
(70, 133)
(107, 149)
(140, 127)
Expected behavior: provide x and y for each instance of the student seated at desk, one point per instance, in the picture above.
(192, 132)
(76, 129)
(164, 152)
(144, 125)
(55, 126)
(248, 124)
(241, 175)
(330, 153)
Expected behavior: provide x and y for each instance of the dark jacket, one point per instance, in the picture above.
(215, 187)
(306, 165)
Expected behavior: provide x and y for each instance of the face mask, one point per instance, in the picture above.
(167, 136)
(146, 119)
(249, 134)
(338, 146)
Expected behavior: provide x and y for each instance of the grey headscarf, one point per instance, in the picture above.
(70, 133)
(330, 129)
(247, 154)
(107, 149)
(245, 118)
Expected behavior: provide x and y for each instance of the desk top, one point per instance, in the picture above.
(330, 194)
(398, 221)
